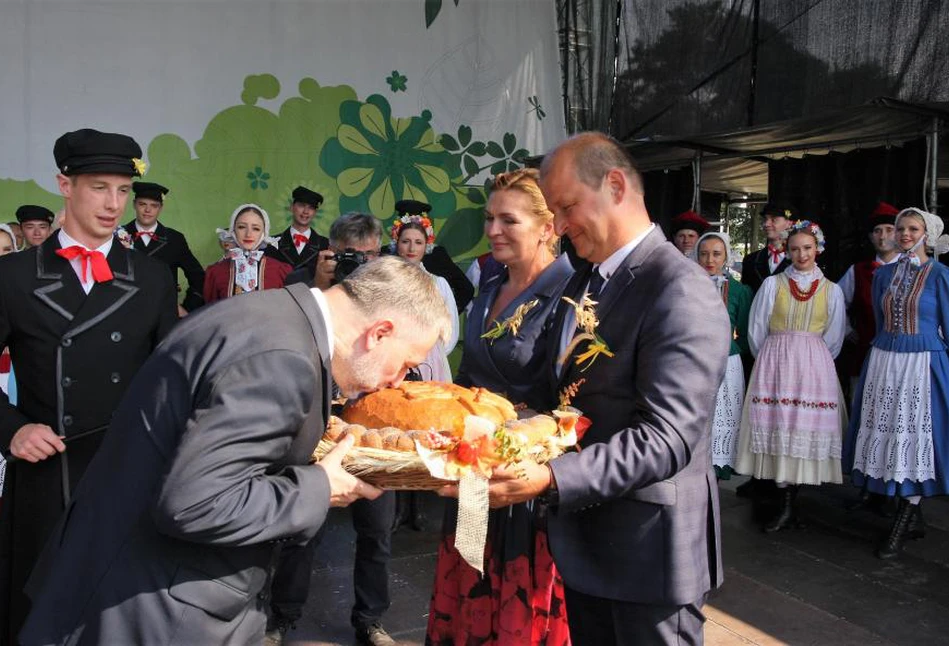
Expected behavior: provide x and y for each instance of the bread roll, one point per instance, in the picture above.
(371, 440)
(405, 443)
(356, 430)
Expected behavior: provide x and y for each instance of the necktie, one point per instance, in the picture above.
(100, 266)
(775, 254)
(299, 238)
(151, 234)
(596, 284)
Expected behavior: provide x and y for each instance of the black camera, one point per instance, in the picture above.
(347, 262)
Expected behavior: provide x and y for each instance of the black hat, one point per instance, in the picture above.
(91, 151)
(779, 210)
(412, 207)
(29, 212)
(305, 195)
(149, 191)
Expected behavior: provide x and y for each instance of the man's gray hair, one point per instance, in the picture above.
(390, 285)
(355, 228)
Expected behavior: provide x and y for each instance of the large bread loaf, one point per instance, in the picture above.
(427, 405)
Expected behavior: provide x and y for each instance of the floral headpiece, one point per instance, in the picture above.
(805, 226)
(418, 219)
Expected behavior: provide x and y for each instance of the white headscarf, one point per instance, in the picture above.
(6, 229)
(934, 238)
(729, 254)
(247, 262)
(265, 239)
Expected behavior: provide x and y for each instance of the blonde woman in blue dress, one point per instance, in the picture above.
(794, 412)
(899, 438)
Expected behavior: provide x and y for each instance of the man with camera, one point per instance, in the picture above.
(355, 239)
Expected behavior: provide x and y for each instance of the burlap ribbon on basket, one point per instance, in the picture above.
(471, 530)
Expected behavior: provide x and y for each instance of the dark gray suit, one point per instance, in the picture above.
(171, 535)
(637, 519)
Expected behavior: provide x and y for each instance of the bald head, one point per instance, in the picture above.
(593, 155)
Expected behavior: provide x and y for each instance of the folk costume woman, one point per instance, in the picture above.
(794, 411)
(898, 443)
(714, 254)
(519, 600)
(412, 238)
(244, 267)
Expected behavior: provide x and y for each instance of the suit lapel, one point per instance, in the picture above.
(107, 297)
(287, 248)
(574, 290)
(624, 275)
(304, 299)
(614, 291)
(159, 240)
(59, 287)
(310, 249)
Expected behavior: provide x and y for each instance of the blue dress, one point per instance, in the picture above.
(511, 365)
(520, 600)
(898, 440)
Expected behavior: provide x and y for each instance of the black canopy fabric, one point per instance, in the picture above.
(736, 162)
(687, 66)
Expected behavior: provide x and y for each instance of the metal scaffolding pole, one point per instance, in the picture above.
(934, 167)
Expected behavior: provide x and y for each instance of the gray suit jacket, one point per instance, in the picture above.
(637, 518)
(171, 534)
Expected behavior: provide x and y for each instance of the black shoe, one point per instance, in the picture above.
(277, 628)
(748, 489)
(403, 514)
(417, 513)
(786, 516)
(892, 545)
(373, 635)
(916, 528)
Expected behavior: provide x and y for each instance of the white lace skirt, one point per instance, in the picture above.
(895, 438)
(727, 418)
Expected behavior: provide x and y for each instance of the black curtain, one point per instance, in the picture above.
(691, 66)
(840, 190)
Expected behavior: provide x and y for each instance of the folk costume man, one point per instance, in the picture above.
(154, 239)
(299, 245)
(758, 265)
(80, 314)
(857, 281)
(36, 223)
(205, 472)
(633, 522)
(437, 261)
(687, 227)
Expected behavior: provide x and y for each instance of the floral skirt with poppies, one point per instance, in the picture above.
(518, 601)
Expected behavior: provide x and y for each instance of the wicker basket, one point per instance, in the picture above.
(396, 470)
(393, 470)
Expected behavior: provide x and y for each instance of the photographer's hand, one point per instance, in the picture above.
(325, 267)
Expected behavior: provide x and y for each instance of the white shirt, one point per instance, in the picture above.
(606, 268)
(772, 265)
(65, 241)
(847, 284)
(435, 367)
(146, 239)
(324, 308)
(299, 245)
